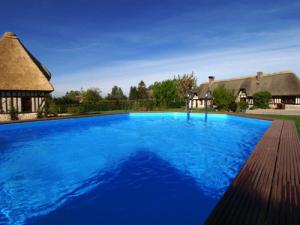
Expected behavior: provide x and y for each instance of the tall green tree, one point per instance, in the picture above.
(73, 95)
(142, 90)
(91, 96)
(133, 93)
(165, 93)
(116, 94)
(222, 98)
(185, 83)
(70, 98)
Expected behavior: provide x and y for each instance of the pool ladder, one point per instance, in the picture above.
(189, 107)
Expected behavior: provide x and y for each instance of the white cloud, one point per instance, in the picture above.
(277, 52)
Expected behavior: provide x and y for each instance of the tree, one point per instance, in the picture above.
(116, 94)
(142, 90)
(261, 99)
(222, 98)
(165, 93)
(91, 96)
(133, 94)
(70, 98)
(185, 83)
(73, 96)
(51, 107)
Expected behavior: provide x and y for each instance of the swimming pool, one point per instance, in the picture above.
(143, 168)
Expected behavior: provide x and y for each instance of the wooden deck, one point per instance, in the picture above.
(267, 189)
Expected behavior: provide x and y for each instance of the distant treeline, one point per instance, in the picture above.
(171, 93)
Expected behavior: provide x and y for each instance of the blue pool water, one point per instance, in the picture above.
(135, 169)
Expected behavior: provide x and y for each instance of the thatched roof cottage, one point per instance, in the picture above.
(283, 86)
(24, 81)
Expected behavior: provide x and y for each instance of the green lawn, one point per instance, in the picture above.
(296, 119)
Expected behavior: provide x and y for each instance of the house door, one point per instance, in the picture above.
(26, 104)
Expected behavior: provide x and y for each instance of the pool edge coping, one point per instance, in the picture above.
(124, 113)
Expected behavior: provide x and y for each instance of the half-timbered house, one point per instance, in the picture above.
(24, 81)
(283, 86)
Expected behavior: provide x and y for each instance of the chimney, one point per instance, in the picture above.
(259, 76)
(210, 80)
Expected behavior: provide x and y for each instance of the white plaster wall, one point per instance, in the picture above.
(15, 103)
(27, 116)
(21, 116)
(8, 104)
(3, 105)
(38, 102)
(4, 117)
(196, 103)
(43, 103)
(19, 105)
(201, 106)
(32, 104)
(290, 106)
(9, 101)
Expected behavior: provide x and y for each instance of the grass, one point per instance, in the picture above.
(296, 119)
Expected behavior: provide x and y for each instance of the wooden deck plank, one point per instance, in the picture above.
(283, 205)
(266, 190)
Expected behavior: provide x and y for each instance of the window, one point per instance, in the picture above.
(288, 100)
(26, 104)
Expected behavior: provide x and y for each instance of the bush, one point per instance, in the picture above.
(52, 109)
(165, 93)
(108, 105)
(176, 104)
(222, 98)
(242, 106)
(40, 113)
(233, 106)
(74, 110)
(13, 113)
(261, 99)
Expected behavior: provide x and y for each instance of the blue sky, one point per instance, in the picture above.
(105, 43)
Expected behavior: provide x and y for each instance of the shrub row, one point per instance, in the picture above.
(107, 105)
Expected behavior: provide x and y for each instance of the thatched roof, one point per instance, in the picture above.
(278, 84)
(19, 69)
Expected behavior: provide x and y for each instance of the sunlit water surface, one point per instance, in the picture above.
(135, 169)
